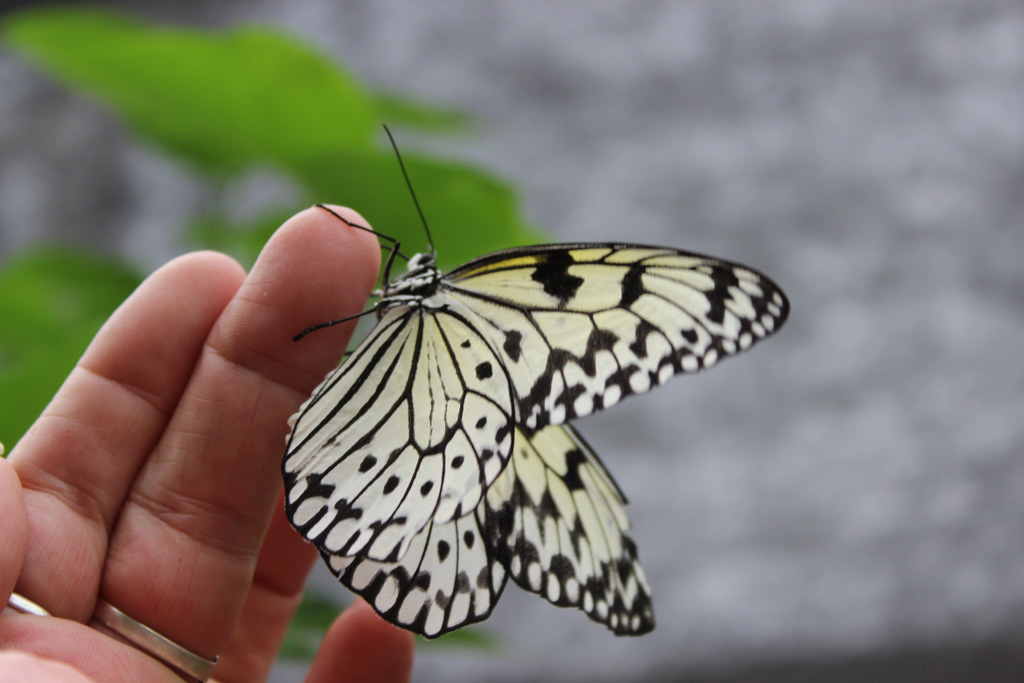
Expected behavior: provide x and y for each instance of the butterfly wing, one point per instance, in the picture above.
(559, 527)
(553, 521)
(410, 430)
(583, 326)
(448, 578)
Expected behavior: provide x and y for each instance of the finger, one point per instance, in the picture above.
(284, 561)
(78, 460)
(360, 647)
(13, 530)
(199, 508)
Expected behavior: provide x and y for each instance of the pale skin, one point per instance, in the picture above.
(153, 477)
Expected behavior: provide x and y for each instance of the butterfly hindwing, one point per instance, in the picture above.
(448, 578)
(411, 430)
(583, 326)
(559, 528)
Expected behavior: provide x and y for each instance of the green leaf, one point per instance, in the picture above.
(469, 211)
(399, 110)
(220, 101)
(52, 303)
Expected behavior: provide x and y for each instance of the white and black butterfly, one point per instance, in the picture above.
(436, 461)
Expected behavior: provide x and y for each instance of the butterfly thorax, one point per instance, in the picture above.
(417, 283)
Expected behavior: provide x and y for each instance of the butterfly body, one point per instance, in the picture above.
(437, 461)
(417, 284)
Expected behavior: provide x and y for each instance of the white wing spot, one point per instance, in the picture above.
(533, 575)
(665, 374)
(388, 595)
(612, 395)
(639, 382)
(554, 590)
(410, 607)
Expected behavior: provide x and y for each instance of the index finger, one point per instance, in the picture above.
(198, 511)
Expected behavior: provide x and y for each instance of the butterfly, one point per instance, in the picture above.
(436, 462)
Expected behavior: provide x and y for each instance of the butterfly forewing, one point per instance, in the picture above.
(583, 326)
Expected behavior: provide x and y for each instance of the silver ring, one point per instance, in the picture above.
(20, 603)
(152, 643)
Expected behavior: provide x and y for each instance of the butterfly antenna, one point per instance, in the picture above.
(392, 240)
(408, 183)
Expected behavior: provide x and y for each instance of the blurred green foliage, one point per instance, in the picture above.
(315, 615)
(225, 103)
(222, 102)
(52, 302)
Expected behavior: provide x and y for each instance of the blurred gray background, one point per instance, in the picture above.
(847, 501)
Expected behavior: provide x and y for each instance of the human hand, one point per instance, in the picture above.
(152, 480)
